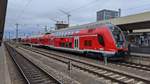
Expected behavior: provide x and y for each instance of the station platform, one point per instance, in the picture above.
(140, 54)
(4, 73)
(142, 50)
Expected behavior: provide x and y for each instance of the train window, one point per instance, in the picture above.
(67, 45)
(62, 44)
(87, 43)
(59, 33)
(63, 33)
(70, 45)
(72, 32)
(101, 40)
(76, 31)
(69, 33)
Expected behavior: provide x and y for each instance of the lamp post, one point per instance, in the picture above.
(68, 15)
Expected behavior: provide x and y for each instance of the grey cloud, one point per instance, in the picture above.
(41, 11)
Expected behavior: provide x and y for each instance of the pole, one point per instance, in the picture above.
(68, 15)
(104, 17)
(105, 59)
(5, 38)
(68, 19)
(9, 36)
(46, 30)
(119, 12)
(17, 32)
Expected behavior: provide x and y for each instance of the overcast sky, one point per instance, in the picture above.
(33, 15)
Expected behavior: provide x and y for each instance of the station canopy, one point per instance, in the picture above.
(131, 22)
(3, 6)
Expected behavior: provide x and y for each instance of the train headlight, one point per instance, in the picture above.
(101, 49)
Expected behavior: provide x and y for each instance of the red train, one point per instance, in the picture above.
(102, 39)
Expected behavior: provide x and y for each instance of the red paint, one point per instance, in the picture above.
(84, 35)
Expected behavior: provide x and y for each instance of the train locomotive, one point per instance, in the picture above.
(100, 39)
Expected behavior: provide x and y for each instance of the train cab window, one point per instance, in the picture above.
(101, 40)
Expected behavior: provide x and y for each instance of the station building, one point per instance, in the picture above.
(107, 14)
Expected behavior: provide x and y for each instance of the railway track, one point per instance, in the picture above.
(134, 65)
(31, 73)
(124, 63)
(113, 75)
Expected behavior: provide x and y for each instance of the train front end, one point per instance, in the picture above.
(120, 42)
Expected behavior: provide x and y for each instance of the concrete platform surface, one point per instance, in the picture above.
(144, 50)
(141, 54)
(4, 74)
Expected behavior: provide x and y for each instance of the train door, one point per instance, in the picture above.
(76, 42)
(52, 41)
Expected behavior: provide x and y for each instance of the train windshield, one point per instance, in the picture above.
(118, 36)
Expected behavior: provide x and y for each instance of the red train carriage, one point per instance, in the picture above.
(34, 40)
(25, 40)
(45, 39)
(105, 40)
(37, 40)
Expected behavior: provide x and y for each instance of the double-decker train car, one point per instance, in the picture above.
(101, 39)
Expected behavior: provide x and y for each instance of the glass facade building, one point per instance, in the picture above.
(107, 14)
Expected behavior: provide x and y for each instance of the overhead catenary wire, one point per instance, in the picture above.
(83, 6)
(68, 13)
(146, 7)
(23, 10)
(137, 9)
(19, 16)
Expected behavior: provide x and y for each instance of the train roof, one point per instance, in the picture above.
(84, 26)
(74, 29)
